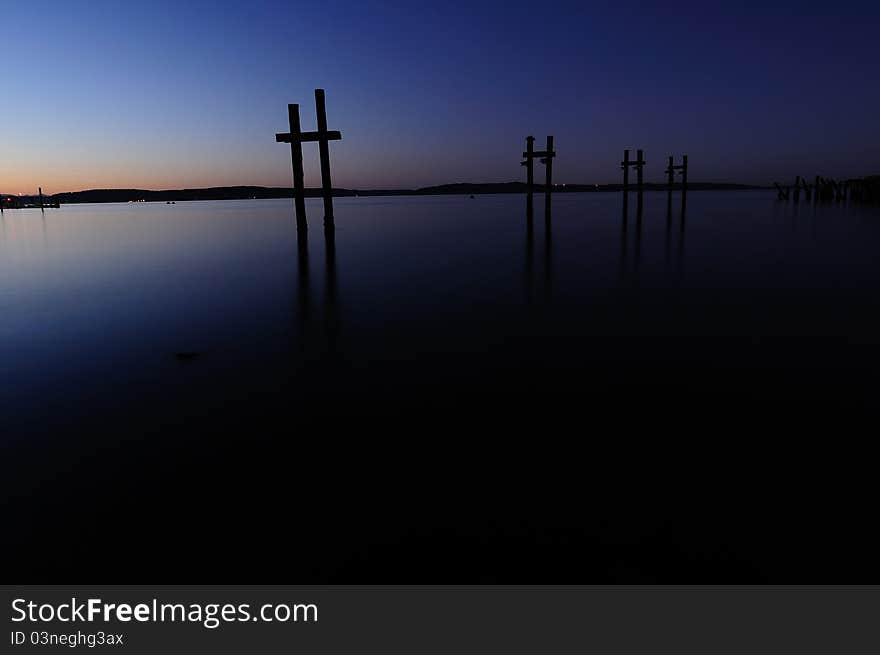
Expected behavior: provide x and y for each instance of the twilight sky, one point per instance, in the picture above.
(101, 93)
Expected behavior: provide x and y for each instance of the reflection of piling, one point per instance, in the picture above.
(638, 246)
(623, 239)
(680, 256)
(548, 257)
(668, 225)
(684, 185)
(640, 180)
(302, 243)
(331, 310)
(530, 260)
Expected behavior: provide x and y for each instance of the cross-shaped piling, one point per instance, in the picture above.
(296, 137)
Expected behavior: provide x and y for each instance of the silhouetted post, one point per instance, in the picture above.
(324, 150)
(670, 182)
(529, 163)
(547, 160)
(41, 200)
(625, 165)
(683, 185)
(294, 138)
(640, 165)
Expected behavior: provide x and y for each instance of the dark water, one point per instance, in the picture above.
(439, 394)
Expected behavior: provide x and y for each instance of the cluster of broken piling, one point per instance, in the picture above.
(827, 190)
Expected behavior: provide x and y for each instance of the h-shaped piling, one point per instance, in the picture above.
(296, 137)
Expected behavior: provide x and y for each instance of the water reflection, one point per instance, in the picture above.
(329, 344)
(681, 233)
(303, 290)
(668, 238)
(623, 240)
(331, 308)
(548, 254)
(530, 260)
(631, 263)
(530, 271)
(638, 248)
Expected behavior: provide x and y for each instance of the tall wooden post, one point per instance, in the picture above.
(295, 138)
(530, 173)
(41, 200)
(548, 170)
(296, 155)
(625, 165)
(684, 184)
(670, 183)
(640, 165)
(324, 150)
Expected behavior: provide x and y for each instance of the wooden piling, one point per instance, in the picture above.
(295, 138)
(41, 200)
(530, 173)
(548, 174)
(670, 183)
(324, 151)
(296, 155)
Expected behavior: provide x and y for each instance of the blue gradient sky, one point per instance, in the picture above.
(174, 94)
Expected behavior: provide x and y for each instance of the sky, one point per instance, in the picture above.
(101, 94)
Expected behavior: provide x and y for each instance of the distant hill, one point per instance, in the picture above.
(247, 192)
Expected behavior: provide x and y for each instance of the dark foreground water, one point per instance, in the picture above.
(439, 394)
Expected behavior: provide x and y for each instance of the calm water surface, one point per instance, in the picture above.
(444, 382)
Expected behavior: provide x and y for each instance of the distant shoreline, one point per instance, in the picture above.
(264, 193)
